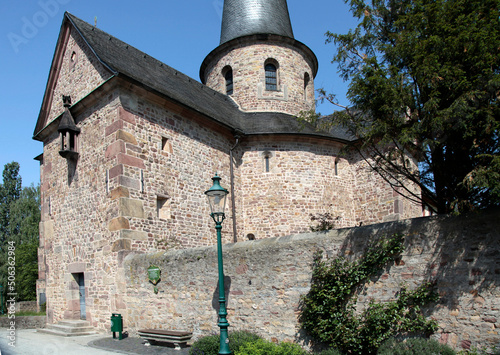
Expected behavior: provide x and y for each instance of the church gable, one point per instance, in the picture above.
(80, 73)
(76, 71)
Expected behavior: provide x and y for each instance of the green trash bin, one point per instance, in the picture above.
(117, 325)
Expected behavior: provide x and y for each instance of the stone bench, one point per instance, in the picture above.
(178, 338)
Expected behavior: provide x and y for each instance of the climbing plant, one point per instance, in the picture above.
(323, 222)
(328, 309)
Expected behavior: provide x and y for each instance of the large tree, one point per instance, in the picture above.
(10, 191)
(19, 219)
(424, 80)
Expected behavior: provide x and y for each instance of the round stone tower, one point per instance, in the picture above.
(258, 62)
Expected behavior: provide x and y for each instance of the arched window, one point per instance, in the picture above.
(307, 79)
(228, 77)
(271, 77)
(267, 161)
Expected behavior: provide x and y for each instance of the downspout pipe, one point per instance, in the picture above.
(233, 198)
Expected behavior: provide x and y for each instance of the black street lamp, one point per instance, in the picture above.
(217, 201)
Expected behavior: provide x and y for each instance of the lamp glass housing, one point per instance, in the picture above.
(217, 198)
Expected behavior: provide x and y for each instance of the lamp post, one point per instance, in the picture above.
(217, 201)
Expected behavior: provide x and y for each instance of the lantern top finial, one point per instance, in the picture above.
(216, 189)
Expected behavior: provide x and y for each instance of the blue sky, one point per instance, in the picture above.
(179, 33)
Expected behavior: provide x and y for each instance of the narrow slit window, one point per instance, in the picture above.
(307, 79)
(271, 77)
(228, 76)
(267, 161)
(336, 167)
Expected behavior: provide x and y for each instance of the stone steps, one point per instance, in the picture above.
(69, 328)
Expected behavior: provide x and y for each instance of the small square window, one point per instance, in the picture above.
(165, 145)
(163, 207)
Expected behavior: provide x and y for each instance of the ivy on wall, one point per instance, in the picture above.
(328, 310)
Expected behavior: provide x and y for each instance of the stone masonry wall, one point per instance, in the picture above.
(306, 177)
(133, 155)
(80, 73)
(138, 186)
(247, 63)
(76, 209)
(265, 279)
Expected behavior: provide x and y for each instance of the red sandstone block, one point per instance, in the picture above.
(125, 115)
(47, 169)
(115, 126)
(116, 171)
(44, 186)
(131, 161)
(465, 344)
(114, 149)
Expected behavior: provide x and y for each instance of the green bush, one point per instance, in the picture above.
(240, 337)
(264, 347)
(414, 346)
(330, 352)
(328, 310)
(209, 345)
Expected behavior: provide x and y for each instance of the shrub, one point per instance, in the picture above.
(324, 222)
(330, 352)
(264, 347)
(209, 345)
(328, 311)
(414, 346)
(241, 337)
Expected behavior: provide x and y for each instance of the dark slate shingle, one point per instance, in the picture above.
(133, 64)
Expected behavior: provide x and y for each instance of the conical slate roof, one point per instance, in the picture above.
(249, 17)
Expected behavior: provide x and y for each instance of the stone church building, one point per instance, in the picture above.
(131, 144)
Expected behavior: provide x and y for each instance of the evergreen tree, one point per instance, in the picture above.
(10, 191)
(19, 219)
(424, 79)
(24, 221)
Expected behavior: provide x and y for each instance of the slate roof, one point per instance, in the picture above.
(130, 63)
(248, 17)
